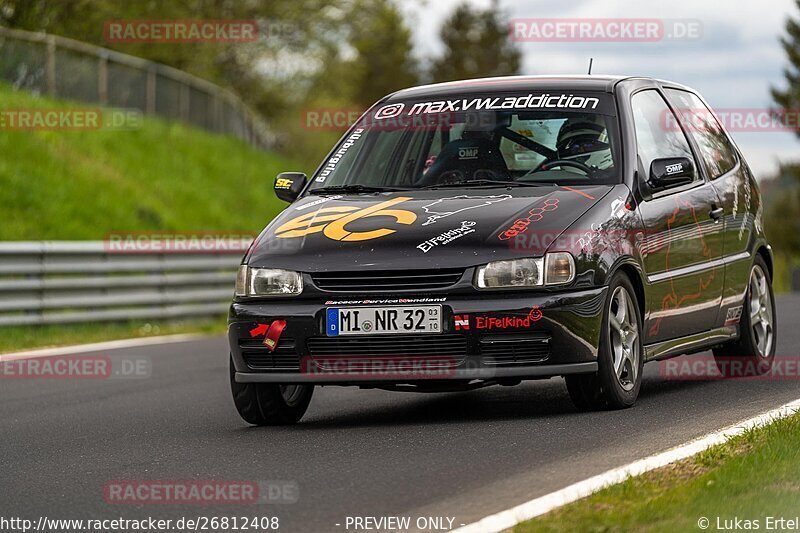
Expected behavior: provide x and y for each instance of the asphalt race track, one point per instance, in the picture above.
(356, 453)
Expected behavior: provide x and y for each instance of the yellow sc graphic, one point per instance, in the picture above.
(333, 221)
(283, 183)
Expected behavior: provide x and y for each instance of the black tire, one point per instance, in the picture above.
(268, 404)
(608, 388)
(743, 357)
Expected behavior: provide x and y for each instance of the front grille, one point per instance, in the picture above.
(258, 357)
(387, 280)
(509, 350)
(448, 345)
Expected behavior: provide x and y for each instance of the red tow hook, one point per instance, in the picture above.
(272, 333)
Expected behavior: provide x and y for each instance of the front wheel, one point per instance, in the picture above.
(757, 328)
(270, 404)
(620, 356)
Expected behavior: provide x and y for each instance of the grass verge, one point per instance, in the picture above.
(156, 176)
(19, 338)
(753, 476)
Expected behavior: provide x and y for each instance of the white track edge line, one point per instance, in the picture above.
(102, 346)
(544, 504)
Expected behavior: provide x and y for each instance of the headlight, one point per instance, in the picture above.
(553, 269)
(515, 273)
(267, 282)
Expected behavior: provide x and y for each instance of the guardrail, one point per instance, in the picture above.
(66, 68)
(60, 282)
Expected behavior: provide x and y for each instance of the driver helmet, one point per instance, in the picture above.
(584, 138)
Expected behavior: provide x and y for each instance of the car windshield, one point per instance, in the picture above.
(524, 139)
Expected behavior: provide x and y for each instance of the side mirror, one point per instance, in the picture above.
(670, 172)
(289, 185)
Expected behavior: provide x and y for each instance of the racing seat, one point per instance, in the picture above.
(464, 159)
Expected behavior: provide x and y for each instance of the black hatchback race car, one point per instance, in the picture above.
(497, 230)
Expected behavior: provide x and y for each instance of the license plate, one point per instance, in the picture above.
(383, 320)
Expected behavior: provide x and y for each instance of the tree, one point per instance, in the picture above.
(476, 45)
(263, 72)
(375, 56)
(782, 208)
(382, 42)
(789, 99)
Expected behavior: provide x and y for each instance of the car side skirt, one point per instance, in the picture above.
(690, 343)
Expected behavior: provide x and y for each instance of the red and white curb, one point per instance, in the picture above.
(544, 504)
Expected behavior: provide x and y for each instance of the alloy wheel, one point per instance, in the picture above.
(761, 319)
(624, 338)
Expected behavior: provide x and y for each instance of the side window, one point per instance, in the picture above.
(718, 155)
(657, 132)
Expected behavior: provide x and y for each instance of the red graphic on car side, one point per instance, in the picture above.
(673, 300)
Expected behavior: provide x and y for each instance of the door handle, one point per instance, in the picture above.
(716, 213)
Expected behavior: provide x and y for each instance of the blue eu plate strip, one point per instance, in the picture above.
(332, 328)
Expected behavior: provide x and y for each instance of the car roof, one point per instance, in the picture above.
(604, 83)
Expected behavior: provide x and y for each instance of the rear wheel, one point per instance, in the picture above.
(620, 355)
(754, 352)
(270, 404)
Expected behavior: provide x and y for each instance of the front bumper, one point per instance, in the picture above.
(488, 337)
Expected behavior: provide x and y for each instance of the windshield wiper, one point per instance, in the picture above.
(356, 188)
(487, 183)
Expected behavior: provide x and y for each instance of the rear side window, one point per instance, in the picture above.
(719, 156)
(655, 137)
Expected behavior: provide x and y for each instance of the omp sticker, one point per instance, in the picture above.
(674, 169)
(468, 153)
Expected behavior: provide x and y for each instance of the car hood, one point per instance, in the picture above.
(441, 228)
